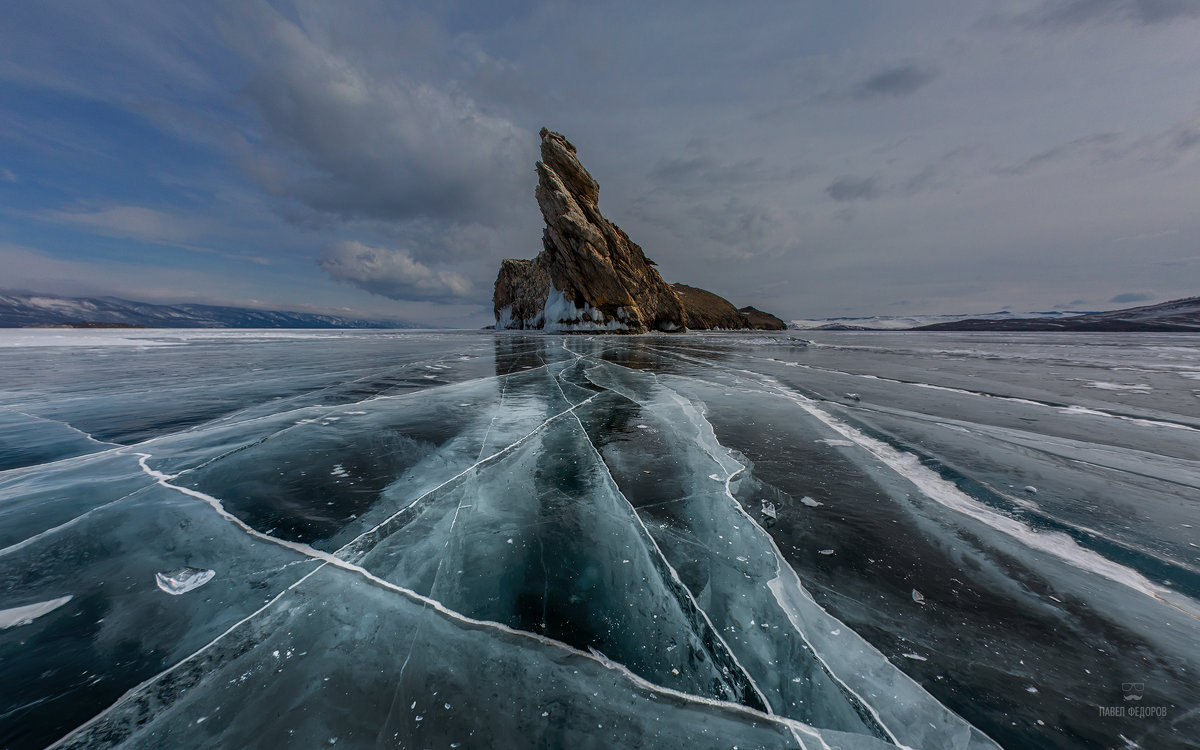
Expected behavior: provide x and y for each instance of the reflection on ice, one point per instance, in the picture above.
(507, 541)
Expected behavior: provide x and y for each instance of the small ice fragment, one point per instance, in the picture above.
(30, 612)
(1031, 689)
(510, 541)
(339, 471)
(836, 632)
(810, 502)
(446, 706)
(643, 427)
(183, 580)
(917, 657)
(918, 597)
(853, 397)
(1031, 489)
(768, 509)
(825, 552)
(414, 705)
(714, 477)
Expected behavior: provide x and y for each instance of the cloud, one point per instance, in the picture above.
(897, 80)
(1062, 150)
(133, 222)
(1133, 297)
(391, 273)
(354, 142)
(1059, 15)
(848, 189)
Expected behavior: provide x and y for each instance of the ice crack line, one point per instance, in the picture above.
(663, 559)
(325, 558)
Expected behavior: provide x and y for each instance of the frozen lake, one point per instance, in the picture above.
(467, 539)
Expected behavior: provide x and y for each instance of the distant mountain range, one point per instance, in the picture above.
(21, 309)
(1176, 315)
(909, 322)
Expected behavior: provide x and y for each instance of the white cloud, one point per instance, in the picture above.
(391, 273)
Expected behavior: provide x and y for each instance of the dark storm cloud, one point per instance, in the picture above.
(897, 80)
(391, 273)
(1061, 15)
(1132, 297)
(848, 189)
(350, 142)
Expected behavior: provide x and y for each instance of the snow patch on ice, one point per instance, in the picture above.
(183, 580)
(1106, 386)
(30, 612)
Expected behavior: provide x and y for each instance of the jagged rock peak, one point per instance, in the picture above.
(593, 276)
(590, 276)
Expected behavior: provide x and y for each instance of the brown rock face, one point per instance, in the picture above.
(595, 278)
(762, 321)
(706, 311)
(521, 289)
(590, 276)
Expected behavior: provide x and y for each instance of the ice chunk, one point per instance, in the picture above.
(852, 397)
(915, 657)
(183, 580)
(768, 509)
(1031, 489)
(918, 597)
(810, 502)
(825, 552)
(30, 612)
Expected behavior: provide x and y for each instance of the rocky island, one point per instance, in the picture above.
(591, 277)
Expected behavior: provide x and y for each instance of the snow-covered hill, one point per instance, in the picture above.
(905, 322)
(19, 309)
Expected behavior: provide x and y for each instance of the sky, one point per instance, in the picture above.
(815, 159)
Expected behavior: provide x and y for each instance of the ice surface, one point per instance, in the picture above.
(498, 540)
